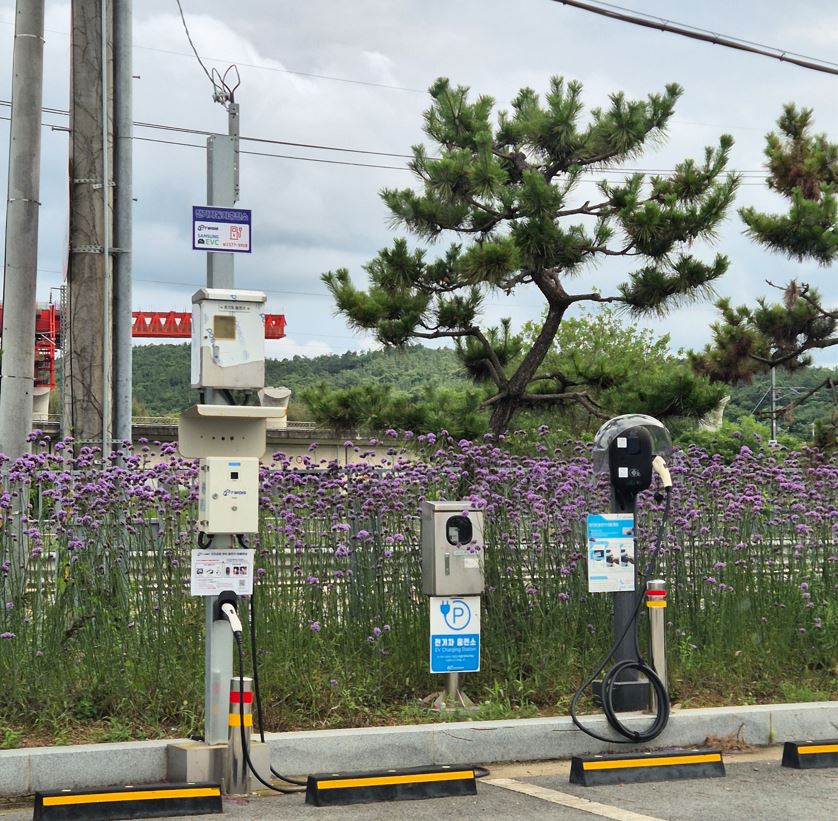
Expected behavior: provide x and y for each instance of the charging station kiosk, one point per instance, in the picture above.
(625, 448)
(453, 579)
(228, 353)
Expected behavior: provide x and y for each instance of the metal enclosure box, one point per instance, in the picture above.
(228, 339)
(452, 549)
(228, 494)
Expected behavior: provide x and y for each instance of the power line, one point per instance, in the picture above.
(617, 171)
(650, 21)
(319, 147)
(192, 45)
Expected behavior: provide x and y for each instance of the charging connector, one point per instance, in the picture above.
(226, 607)
(659, 466)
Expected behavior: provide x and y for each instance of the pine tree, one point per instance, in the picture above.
(508, 192)
(803, 168)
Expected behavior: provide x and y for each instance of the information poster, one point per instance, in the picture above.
(214, 571)
(610, 552)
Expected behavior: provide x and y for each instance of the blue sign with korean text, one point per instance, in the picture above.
(455, 634)
(215, 228)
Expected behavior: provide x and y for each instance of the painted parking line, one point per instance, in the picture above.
(568, 800)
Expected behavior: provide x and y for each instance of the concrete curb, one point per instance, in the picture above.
(26, 770)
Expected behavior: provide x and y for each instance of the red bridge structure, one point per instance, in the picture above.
(160, 324)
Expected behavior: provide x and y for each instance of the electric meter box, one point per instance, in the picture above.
(452, 549)
(228, 494)
(228, 339)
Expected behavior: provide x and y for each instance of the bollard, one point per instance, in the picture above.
(236, 775)
(656, 602)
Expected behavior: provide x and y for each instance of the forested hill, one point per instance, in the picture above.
(161, 380)
(161, 373)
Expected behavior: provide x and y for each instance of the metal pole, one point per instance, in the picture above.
(452, 688)
(218, 651)
(656, 605)
(630, 693)
(107, 308)
(20, 272)
(236, 775)
(123, 219)
(773, 404)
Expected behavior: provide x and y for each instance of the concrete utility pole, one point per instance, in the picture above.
(123, 214)
(20, 277)
(222, 190)
(88, 329)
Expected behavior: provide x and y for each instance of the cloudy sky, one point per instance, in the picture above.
(352, 74)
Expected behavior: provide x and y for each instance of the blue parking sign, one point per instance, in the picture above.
(455, 634)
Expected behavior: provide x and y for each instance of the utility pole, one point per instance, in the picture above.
(222, 190)
(123, 207)
(89, 287)
(20, 271)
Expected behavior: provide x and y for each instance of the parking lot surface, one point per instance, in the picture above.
(755, 787)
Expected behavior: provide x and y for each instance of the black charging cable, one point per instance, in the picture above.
(611, 678)
(243, 734)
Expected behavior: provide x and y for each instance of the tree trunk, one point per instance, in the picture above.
(505, 408)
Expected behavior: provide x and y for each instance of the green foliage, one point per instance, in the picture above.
(371, 408)
(754, 399)
(803, 168)
(507, 191)
(729, 440)
(623, 369)
(161, 374)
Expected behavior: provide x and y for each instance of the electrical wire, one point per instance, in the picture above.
(608, 682)
(661, 24)
(221, 91)
(243, 734)
(749, 173)
(192, 45)
(257, 693)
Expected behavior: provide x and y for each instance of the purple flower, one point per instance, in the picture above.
(7, 636)
(314, 626)
(376, 631)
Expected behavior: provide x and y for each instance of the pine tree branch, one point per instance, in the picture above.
(492, 360)
(587, 208)
(594, 297)
(579, 397)
(609, 252)
(803, 293)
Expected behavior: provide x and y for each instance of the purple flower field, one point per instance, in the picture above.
(94, 576)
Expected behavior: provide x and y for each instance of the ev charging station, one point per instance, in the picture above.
(228, 353)
(629, 449)
(453, 579)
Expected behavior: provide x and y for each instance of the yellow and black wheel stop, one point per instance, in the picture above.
(146, 801)
(807, 755)
(631, 768)
(330, 789)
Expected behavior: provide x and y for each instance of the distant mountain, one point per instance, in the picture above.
(161, 373)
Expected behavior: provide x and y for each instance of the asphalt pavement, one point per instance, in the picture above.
(755, 787)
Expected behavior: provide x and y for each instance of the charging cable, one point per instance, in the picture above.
(227, 609)
(611, 678)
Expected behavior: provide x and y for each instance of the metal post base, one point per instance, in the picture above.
(442, 702)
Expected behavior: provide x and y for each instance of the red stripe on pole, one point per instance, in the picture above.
(234, 697)
(656, 592)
